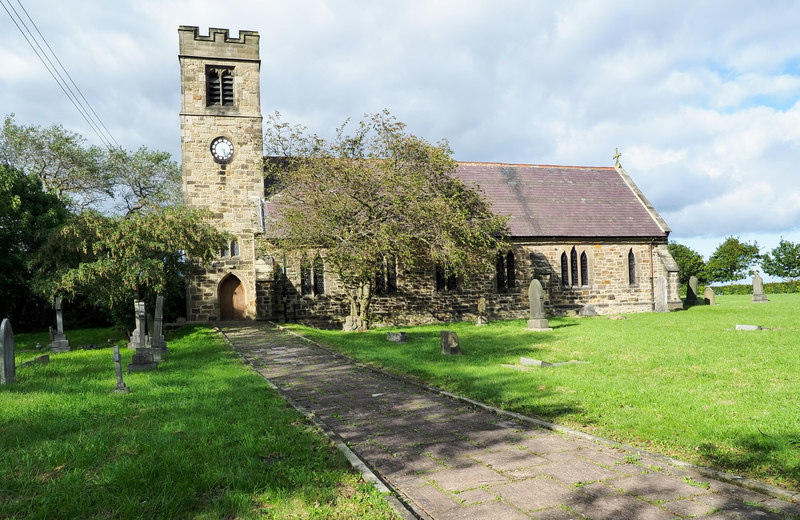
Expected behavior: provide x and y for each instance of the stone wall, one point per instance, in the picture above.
(417, 301)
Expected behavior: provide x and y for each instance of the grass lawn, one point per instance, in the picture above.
(201, 437)
(684, 384)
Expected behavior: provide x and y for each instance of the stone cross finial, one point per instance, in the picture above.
(616, 157)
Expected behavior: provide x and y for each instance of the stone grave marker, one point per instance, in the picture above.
(142, 360)
(588, 310)
(397, 337)
(749, 327)
(139, 335)
(157, 337)
(121, 386)
(537, 320)
(7, 367)
(691, 291)
(481, 319)
(709, 296)
(60, 342)
(449, 341)
(661, 295)
(758, 290)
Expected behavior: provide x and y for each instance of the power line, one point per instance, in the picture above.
(83, 107)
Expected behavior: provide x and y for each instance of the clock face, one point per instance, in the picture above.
(222, 150)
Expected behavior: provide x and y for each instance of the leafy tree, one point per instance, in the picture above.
(370, 194)
(109, 259)
(61, 160)
(145, 179)
(27, 216)
(732, 260)
(783, 261)
(690, 262)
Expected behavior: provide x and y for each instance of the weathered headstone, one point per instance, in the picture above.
(749, 327)
(691, 291)
(142, 360)
(537, 320)
(157, 338)
(588, 310)
(449, 341)
(7, 366)
(530, 362)
(709, 296)
(139, 335)
(758, 290)
(481, 319)
(121, 386)
(397, 337)
(660, 295)
(60, 342)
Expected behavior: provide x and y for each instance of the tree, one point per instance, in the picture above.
(27, 216)
(783, 261)
(109, 259)
(61, 160)
(145, 179)
(376, 193)
(690, 262)
(732, 260)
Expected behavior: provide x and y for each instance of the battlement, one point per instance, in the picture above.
(217, 44)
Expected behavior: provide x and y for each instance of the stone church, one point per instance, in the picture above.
(588, 234)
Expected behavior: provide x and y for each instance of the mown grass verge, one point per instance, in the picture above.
(685, 384)
(201, 437)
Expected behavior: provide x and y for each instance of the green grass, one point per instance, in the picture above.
(684, 384)
(201, 437)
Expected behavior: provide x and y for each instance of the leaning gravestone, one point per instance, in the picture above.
(691, 291)
(709, 296)
(157, 338)
(661, 295)
(397, 337)
(121, 386)
(481, 319)
(449, 341)
(60, 342)
(537, 320)
(139, 335)
(7, 367)
(758, 290)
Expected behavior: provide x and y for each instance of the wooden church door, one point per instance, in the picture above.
(231, 299)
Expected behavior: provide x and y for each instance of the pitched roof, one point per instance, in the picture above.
(565, 201)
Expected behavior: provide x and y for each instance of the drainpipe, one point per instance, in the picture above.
(652, 285)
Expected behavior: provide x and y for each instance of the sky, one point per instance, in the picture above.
(701, 98)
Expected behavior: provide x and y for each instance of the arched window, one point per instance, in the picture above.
(319, 277)
(511, 276)
(564, 270)
(380, 277)
(584, 269)
(631, 268)
(440, 280)
(500, 271)
(234, 248)
(573, 260)
(386, 276)
(305, 277)
(391, 275)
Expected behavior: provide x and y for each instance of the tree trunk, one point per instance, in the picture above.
(360, 300)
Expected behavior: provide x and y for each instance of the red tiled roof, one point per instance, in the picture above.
(564, 201)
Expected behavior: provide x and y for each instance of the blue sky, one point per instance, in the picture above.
(700, 97)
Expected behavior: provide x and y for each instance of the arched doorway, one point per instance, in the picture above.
(231, 299)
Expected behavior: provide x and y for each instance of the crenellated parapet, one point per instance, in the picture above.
(217, 44)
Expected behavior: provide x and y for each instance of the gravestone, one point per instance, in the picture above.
(60, 342)
(530, 362)
(142, 360)
(758, 290)
(749, 327)
(157, 338)
(7, 366)
(121, 386)
(691, 291)
(537, 320)
(660, 295)
(449, 341)
(397, 337)
(588, 310)
(481, 319)
(709, 297)
(139, 335)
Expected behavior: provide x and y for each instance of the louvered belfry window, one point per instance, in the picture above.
(219, 86)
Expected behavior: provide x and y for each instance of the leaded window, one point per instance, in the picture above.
(319, 277)
(306, 286)
(631, 268)
(564, 270)
(573, 260)
(584, 269)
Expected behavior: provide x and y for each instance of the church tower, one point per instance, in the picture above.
(222, 168)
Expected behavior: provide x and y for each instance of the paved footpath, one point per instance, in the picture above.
(447, 459)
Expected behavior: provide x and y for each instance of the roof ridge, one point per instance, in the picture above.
(528, 165)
